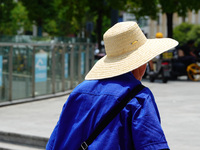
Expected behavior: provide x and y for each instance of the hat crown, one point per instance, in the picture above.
(122, 38)
(127, 49)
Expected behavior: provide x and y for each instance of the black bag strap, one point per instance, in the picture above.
(111, 115)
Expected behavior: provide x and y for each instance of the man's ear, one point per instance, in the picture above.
(139, 72)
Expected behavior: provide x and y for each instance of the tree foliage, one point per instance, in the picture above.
(69, 16)
(193, 5)
(181, 32)
(169, 7)
(194, 34)
(20, 20)
(141, 8)
(102, 9)
(64, 17)
(5, 10)
(17, 19)
(6, 6)
(39, 11)
(185, 32)
(172, 6)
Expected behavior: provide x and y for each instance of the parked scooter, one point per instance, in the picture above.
(162, 71)
(159, 67)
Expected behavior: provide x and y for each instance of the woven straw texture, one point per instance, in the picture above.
(127, 49)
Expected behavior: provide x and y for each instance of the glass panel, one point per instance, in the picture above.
(22, 83)
(58, 69)
(67, 67)
(83, 62)
(4, 86)
(75, 61)
(91, 56)
(43, 70)
(76, 64)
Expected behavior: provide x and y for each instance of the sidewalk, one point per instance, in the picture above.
(178, 103)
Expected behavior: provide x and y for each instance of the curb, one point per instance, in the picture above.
(29, 140)
(38, 98)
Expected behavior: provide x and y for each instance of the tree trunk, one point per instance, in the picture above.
(99, 29)
(39, 31)
(183, 19)
(114, 17)
(39, 26)
(169, 25)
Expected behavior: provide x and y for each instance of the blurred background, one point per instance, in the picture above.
(48, 46)
(48, 19)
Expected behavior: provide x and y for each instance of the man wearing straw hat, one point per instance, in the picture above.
(110, 110)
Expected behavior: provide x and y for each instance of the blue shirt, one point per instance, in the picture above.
(136, 127)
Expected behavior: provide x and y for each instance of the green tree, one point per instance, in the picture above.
(194, 34)
(142, 8)
(169, 7)
(51, 27)
(150, 8)
(98, 8)
(181, 32)
(39, 11)
(5, 14)
(69, 16)
(73, 15)
(20, 20)
(102, 9)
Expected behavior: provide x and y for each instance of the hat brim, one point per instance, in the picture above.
(108, 67)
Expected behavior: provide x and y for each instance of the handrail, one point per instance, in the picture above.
(68, 58)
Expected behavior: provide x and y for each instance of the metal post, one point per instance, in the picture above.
(87, 59)
(10, 72)
(79, 64)
(72, 66)
(26, 78)
(33, 72)
(53, 70)
(63, 68)
(92, 54)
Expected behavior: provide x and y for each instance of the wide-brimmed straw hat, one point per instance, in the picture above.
(127, 48)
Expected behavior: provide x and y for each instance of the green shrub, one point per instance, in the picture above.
(194, 34)
(181, 32)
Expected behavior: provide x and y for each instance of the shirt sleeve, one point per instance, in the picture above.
(54, 134)
(147, 132)
(51, 140)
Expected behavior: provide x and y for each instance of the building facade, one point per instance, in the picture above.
(151, 27)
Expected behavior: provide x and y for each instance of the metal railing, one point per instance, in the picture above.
(33, 70)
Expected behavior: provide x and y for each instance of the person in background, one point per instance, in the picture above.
(116, 75)
(151, 66)
(186, 53)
